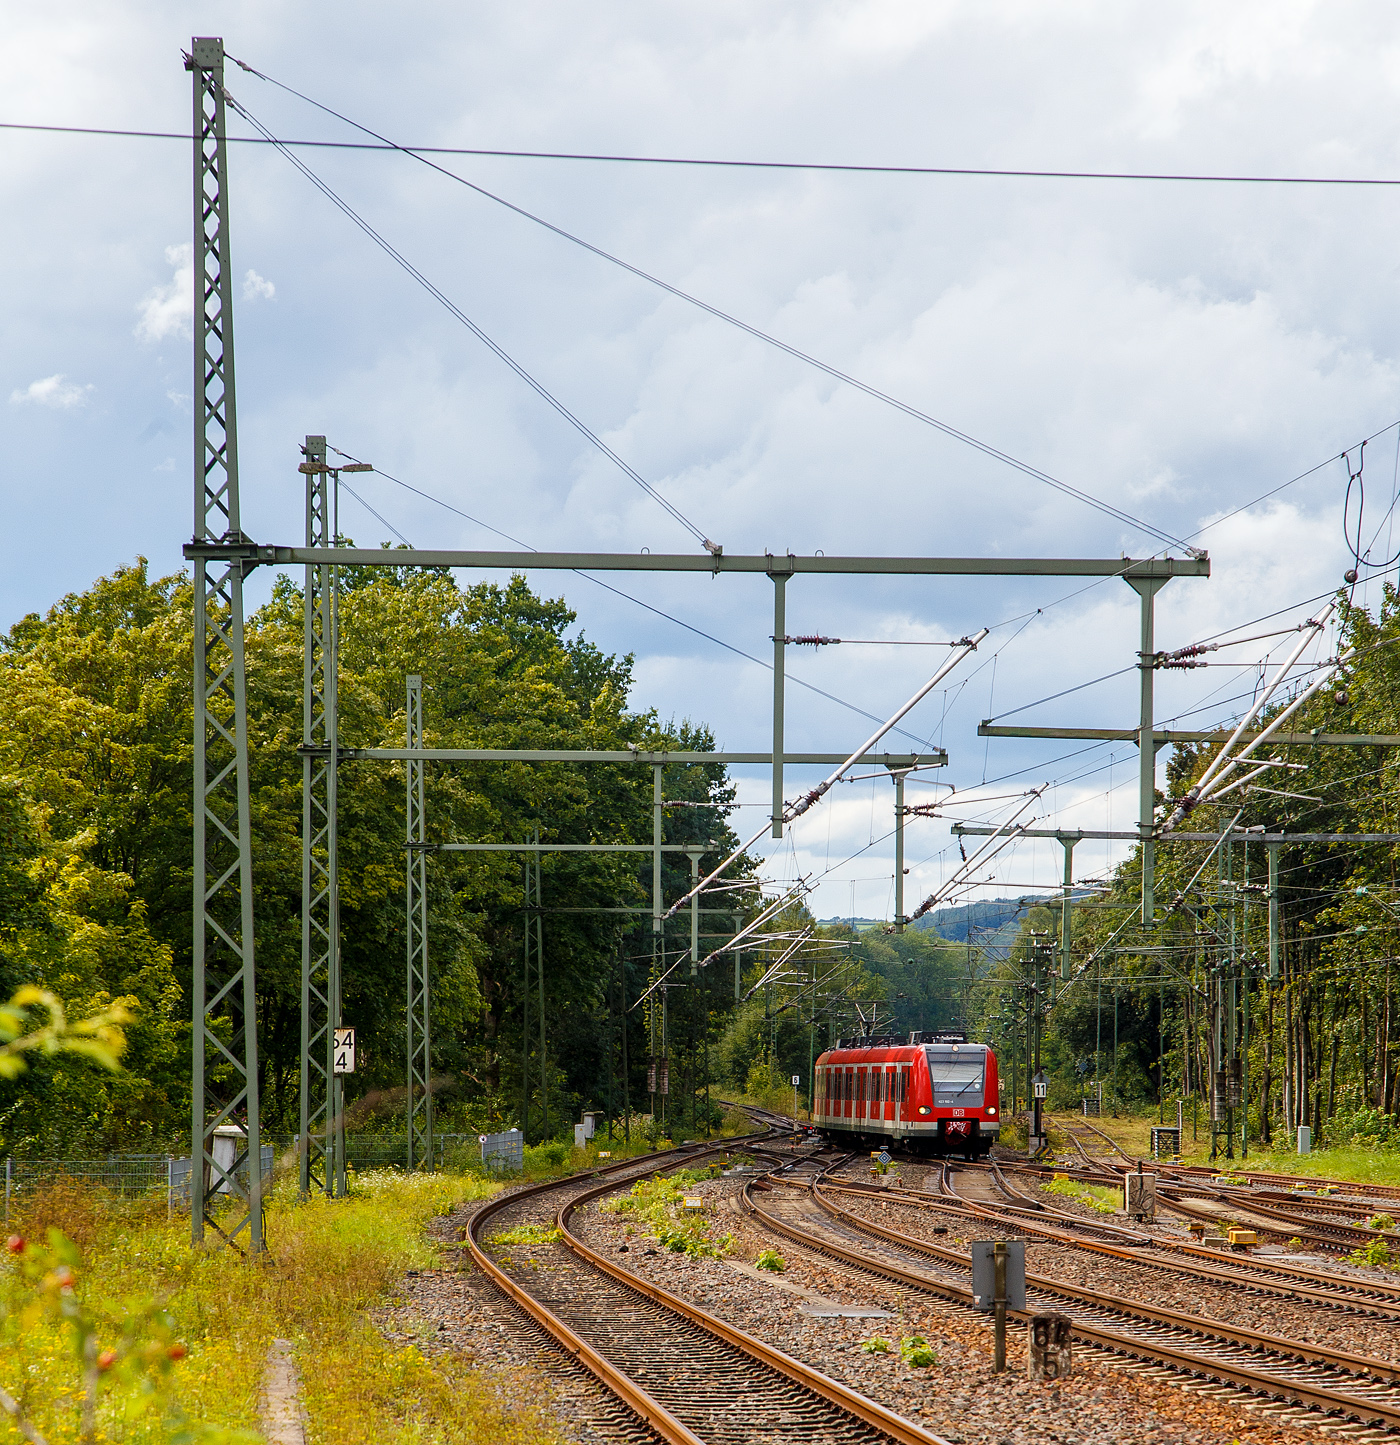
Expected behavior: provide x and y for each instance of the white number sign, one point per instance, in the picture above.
(344, 1055)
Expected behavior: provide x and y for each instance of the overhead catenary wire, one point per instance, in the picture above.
(732, 163)
(628, 597)
(989, 849)
(458, 314)
(796, 809)
(836, 373)
(1223, 763)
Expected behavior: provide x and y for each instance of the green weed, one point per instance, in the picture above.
(914, 1350)
(1375, 1252)
(656, 1202)
(1100, 1200)
(770, 1259)
(525, 1234)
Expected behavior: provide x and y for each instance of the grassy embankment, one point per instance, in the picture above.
(328, 1263)
(1364, 1166)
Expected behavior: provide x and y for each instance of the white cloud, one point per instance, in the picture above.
(257, 288)
(167, 310)
(52, 391)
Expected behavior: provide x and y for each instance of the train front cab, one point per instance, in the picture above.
(958, 1096)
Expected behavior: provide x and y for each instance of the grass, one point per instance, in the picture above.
(1101, 1200)
(656, 1203)
(1361, 1166)
(328, 1262)
(1356, 1164)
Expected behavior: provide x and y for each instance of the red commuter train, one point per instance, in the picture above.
(936, 1094)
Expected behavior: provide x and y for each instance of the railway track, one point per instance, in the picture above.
(689, 1377)
(1335, 1382)
(1188, 1173)
(1278, 1278)
(1274, 1210)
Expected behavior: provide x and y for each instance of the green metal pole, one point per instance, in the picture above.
(1065, 908)
(779, 680)
(1146, 588)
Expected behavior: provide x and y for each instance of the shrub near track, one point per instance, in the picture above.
(655, 1203)
(328, 1263)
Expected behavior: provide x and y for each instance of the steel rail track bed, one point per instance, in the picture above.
(1302, 1374)
(1246, 1272)
(691, 1377)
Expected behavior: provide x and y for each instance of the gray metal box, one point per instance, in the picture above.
(503, 1151)
(984, 1275)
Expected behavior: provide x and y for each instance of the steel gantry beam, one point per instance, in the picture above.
(226, 1184)
(322, 1123)
(787, 565)
(418, 1023)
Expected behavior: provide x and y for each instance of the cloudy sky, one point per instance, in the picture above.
(1176, 349)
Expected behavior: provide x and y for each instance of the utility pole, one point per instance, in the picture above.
(322, 1115)
(1035, 1024)
(223, 984)
(898, 775)
(418, 1030)
(780, 580)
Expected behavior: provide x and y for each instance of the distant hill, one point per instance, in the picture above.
(993, 923)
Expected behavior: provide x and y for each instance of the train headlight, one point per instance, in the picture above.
(992, 1112)
(924, 1109)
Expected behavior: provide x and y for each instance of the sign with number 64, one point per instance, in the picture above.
(344, 1055)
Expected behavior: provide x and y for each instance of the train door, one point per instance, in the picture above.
(888, 1110)
(862, 1085)
(849, 1089)
(902, 1093)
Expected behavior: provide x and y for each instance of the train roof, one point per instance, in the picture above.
(916, 1043)
(900, 1041)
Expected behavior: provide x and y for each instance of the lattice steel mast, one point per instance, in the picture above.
(418, 1035)
(322, 1134)
(225, 1062)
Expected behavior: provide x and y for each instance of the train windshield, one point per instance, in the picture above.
(958, 1079)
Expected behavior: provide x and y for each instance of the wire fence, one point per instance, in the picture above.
(136, 1176)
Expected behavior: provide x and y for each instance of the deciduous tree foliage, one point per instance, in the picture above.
(1324, 1039)
(95, 843)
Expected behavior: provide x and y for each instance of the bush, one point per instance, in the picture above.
(655, 1201)
(769, 1089)
(1365, 1129)
(772, 1260)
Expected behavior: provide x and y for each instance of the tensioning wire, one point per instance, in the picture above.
(458, 314)
(834, 372)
